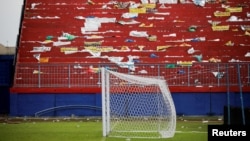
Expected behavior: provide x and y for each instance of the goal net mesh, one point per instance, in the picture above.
(136, 106)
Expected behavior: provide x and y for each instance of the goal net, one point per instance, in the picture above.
(136, 106)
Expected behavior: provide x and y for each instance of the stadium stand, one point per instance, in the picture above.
(63, 44)
(197, 48)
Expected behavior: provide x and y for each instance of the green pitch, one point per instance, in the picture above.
(90, 129)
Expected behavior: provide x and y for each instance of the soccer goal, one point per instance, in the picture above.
(136, 106)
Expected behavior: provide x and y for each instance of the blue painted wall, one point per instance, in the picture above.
(76, 104)
(6, 73)
(4, 100)
(207, 103)
(185, 103)
(6, 70)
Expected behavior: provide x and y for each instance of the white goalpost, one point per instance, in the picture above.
(136, 106)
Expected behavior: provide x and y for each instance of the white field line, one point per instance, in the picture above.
(191, 132)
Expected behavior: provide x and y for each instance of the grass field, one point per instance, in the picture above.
(90, 129)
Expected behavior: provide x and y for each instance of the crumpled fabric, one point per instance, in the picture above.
(199, 2)
(138, 33)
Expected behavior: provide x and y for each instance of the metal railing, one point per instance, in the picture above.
(88, 75)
